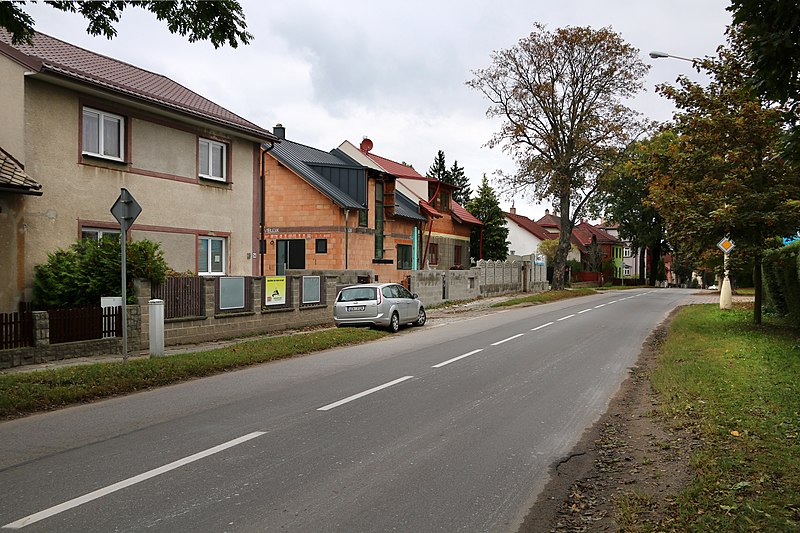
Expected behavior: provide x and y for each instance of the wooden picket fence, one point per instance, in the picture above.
(183, 296)
(69, 325)
(16, 330)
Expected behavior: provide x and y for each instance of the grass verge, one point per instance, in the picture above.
(737, 386)
(546, 297)
(28, 392)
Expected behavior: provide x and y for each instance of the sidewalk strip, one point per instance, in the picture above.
(454, 359)
(365, 393)
(41, 515)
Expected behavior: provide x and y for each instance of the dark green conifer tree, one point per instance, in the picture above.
(490, 240)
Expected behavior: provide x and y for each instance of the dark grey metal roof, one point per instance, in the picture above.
(298, 157)
(406, 208)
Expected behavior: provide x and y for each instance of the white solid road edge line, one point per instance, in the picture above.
(508, 339)
(542, 326)
(41, 515)
(454, 359)
(362, 394)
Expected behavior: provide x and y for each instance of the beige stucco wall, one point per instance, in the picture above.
(162, 149)
(12, 109)
(174, 210)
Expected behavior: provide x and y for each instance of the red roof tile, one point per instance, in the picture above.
(532, 227)
(462, 214)
(48, 54)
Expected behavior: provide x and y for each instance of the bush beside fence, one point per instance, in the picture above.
(781, 269)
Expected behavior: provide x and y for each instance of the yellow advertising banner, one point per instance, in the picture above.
(276, 290)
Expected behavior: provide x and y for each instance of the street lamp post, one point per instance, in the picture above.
(659, 55)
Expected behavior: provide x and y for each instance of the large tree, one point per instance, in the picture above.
(489, 241)
(724, 174)
(463, 192)
(438, 169)
(453, 176)
(771, 31)
(623, 198)
(219, 21)
(561, 97)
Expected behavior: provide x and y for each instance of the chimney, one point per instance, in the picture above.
(366, 145)
(546, 212)
(279, 131)
(513, 210)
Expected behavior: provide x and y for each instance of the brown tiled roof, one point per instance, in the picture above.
(48, 54)
(584, 232)
(549, 221)
(13, 177)
(531, 227)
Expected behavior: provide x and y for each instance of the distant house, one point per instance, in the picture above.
(77, 126)
(597, 247)
(600, 251)
(525, 235)
(632, 264)
(328, 211)
(445, 239)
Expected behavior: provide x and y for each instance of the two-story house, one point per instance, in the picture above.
(328, 211)
(82, 126)
(445, 239)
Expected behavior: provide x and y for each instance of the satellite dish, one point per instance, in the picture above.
(366, 145)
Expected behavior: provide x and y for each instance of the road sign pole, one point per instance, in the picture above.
(125, 210)
(123, 232)
(725, 293)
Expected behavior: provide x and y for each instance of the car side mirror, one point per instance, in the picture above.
(414, 295)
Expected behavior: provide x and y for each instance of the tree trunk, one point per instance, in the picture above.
(654, 258)
(757, 281)
(565, 233)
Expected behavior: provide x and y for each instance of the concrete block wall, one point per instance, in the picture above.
(43, 351)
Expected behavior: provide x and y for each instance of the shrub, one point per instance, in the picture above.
(781, 269)
(89, 269)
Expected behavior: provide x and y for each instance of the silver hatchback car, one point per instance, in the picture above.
(387, 305)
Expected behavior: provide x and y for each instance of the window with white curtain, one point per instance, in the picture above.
(213, 160)
(103, 134)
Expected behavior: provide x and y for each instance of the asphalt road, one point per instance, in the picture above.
(451, 427)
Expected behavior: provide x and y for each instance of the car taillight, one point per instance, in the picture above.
(379, 297)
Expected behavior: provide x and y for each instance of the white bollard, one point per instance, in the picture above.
(156, 308)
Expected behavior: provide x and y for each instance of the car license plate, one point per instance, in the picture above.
(356, 308)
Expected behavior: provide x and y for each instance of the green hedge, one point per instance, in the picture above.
(782, 280)
(90, 269)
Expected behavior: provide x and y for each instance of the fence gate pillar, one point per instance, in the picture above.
(156, 312)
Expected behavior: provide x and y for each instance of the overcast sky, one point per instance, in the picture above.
(395, 72)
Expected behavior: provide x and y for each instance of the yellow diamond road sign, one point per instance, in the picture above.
(726, 245)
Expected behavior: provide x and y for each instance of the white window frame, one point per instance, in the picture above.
(101, 120)
(210, 150)
(100, 232)
(223, 240)
(626, 270)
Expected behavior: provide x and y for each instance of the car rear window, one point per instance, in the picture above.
(356, 294)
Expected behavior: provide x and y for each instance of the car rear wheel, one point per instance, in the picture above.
(394, 323)
(421, 317)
